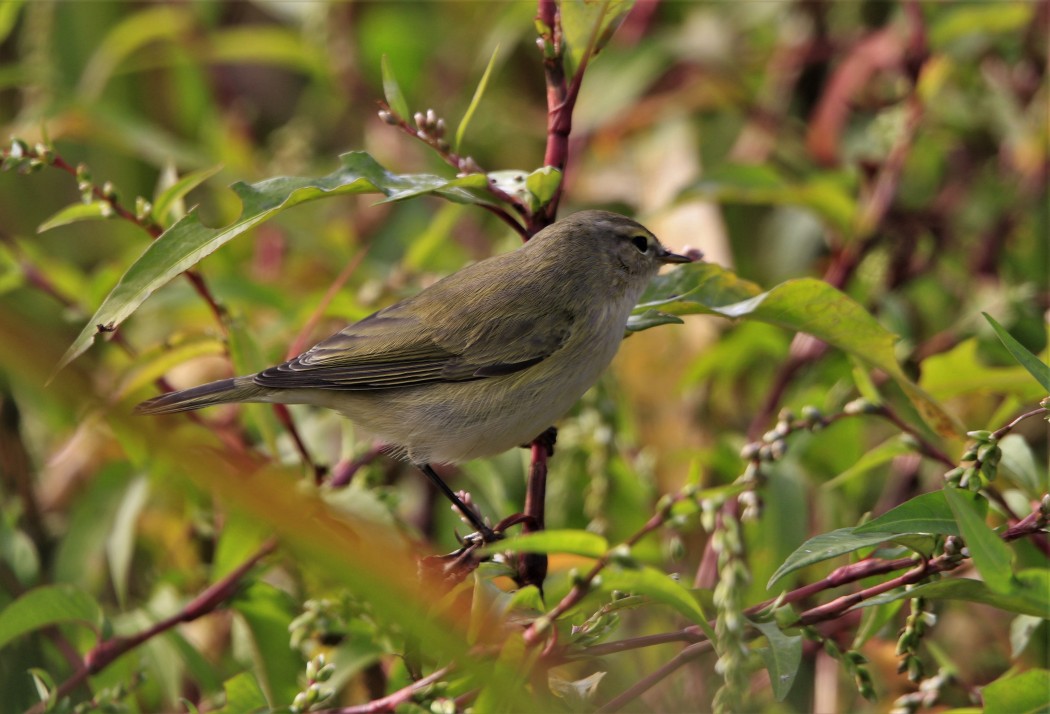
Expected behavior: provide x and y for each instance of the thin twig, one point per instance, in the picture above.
(391, 701)
(107, 651)
(648, 681)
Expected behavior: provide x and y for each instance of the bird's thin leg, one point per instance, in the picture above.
(486, 533)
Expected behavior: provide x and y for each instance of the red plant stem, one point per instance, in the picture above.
(536, 631)
(105, 652)
(532, 567)
(390, 702)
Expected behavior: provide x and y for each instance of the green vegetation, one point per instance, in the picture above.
(814, 480)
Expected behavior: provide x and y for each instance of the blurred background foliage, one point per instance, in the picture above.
(755, 131)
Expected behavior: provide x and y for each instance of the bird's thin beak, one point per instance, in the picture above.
(666, 256)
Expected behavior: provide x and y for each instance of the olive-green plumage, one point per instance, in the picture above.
(479, 362)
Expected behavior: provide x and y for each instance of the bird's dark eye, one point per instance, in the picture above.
(641, 243)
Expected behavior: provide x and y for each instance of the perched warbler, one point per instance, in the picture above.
(484, 360)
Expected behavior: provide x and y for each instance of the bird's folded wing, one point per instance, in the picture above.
(390, 351)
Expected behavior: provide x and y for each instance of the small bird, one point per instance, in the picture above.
(483, 360)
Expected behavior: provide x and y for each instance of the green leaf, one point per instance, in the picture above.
(165, 200)
(884, 452)
(543, 183)
(268, 611)
(94, 211)
(243, 695)
(1018, 465)
(660, 587)
(479, 92)
(1024, 693)
(1029, 596)
(827, 545)
(575, 542)
(120, 544)
(8, 16)
(804, 305)
(188, 241)
(133, 33)
(782, 657)
(49, 605)
(1022, 629)
(927, 513)
(830, 196)
(960, 371)
(990, 554)
(588, 25)
(266, 44)
(395, 99)
(1035, 366)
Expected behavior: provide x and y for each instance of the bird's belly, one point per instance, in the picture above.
(459, 421)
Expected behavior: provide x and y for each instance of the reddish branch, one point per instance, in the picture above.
(105, 652)
(390, 702)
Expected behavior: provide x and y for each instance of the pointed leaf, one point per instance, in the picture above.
(804, 305)
(825, 546)
(990, 554)
(188, 241)
(927, 513)
(479, 92)
(94, 211)
(395, 99)
(243, 695)
(166, 199)
(1035, 366)
(782, 657)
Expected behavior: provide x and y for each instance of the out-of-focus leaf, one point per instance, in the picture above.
(74, 213)
(166, 199)
(479, 92)
(979, 19)
(268, 612)
(960, 371)
(49, 605)
(267, 44)
(804, 305)
(829, 196)
(588, 25)
(1018, 465)
(136, 31)
(8, 16)
(188, 241)
(243, 695)
(886, 451)
(19, 554)
(782, 657)
(1030, 598)
(926, 513)
(395, 98)
(1024, 693)
(589, 545)
(156, 365)
(659, 586)
(825, 546)
(1035, 366)
(120, 544)
(990, 554)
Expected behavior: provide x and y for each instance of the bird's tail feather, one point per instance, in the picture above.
(237, 389)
